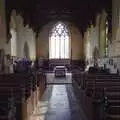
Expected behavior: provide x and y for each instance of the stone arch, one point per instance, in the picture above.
(13, 20)
(26, 50)
(102, 39)
(13, 33)
(95, 54)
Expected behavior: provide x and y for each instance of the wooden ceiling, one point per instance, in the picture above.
(37, 13)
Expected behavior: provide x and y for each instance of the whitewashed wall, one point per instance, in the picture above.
(23, 35)
(91, 40)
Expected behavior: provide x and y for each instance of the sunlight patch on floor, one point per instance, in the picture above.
(40, 112)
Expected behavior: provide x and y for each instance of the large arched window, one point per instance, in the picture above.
(59, 42)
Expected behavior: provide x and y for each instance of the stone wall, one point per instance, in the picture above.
(20, 35)
(23, 37)
(95, 40)
(116, 27)
(2, 25)
(114, 46)
(92, 41)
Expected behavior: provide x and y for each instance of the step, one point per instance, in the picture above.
(114, 102)
(113, 96)
(113, 93)
(114, 110)
(112, 117)
(113, 89)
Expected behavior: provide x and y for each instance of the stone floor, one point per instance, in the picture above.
(58, 103)
(52, 80)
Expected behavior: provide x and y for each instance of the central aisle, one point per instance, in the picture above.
(51, 79)
(58, 103)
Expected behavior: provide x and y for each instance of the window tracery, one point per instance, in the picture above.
(59, 42)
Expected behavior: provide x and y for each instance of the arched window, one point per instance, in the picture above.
(14, 37)
(106, 38)
(59, 40)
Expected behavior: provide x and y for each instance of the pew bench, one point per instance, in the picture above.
(97, 90)
(24, 89)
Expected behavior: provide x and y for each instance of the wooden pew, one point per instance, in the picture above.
(76, 74)
(112, 110)
(41, 83)
(98, 84)
(23, 89)
(20, 83)
(15, 98)
(101, 82)
(95, 87)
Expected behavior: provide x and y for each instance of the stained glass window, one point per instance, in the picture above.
(59, 42)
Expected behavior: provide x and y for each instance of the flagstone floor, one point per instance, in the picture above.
(59, 102)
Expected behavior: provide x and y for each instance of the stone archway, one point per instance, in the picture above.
(26, 50)
(95, 55)
(13, 32)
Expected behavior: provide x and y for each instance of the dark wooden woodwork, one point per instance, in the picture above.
(100, 94)
(18, 91)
